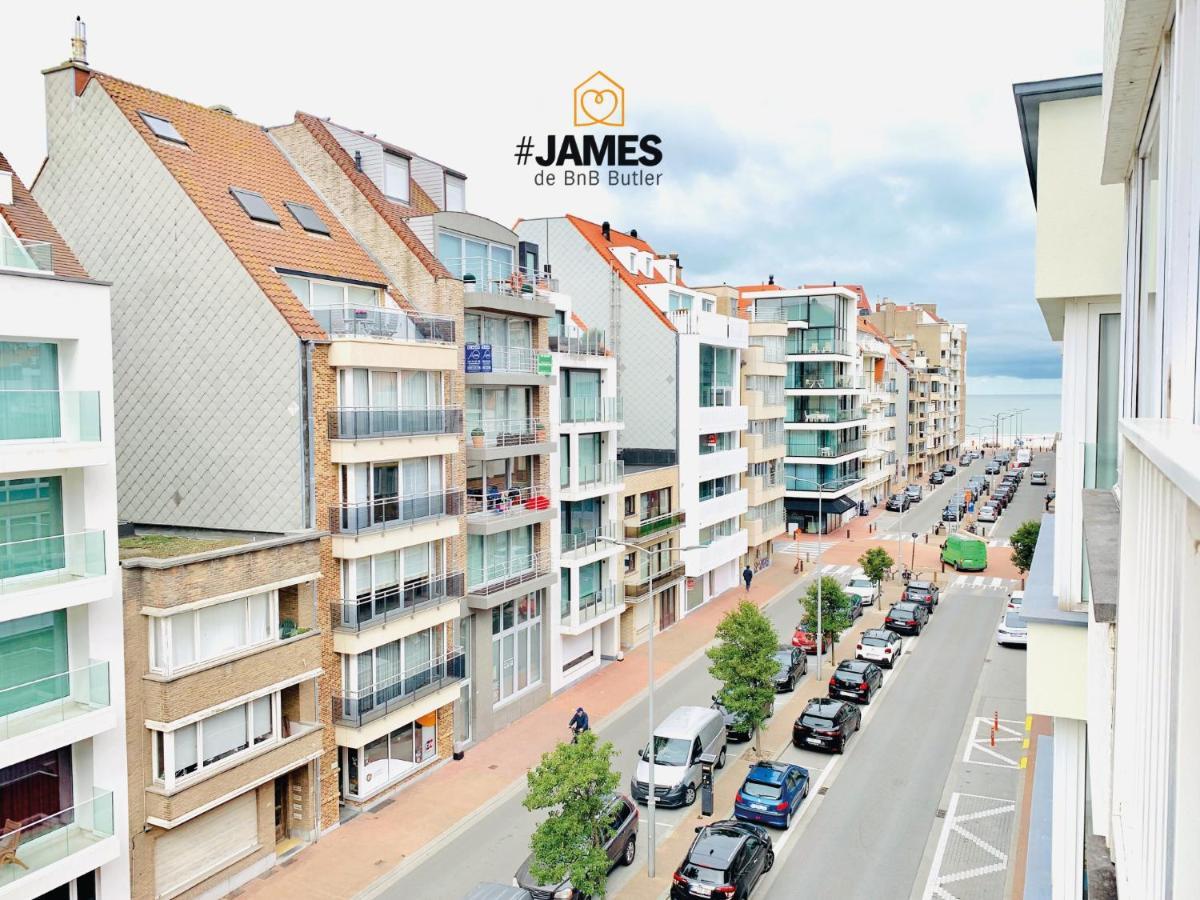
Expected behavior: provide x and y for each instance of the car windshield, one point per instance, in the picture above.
(873, 641)
(847, 677)
(1014, 620)
(783, 657)
(762, 791)
(900, 614)
(670, 751)
(861, 583)
(703, 874)
(817, 722)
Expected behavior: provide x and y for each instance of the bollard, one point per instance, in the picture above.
(926, 539)
(847, 534)
(993, 737)
(996, 719)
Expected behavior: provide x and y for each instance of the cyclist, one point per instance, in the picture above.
(579, 723)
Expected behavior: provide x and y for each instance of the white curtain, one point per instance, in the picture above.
(185, 748)
(260, 711)
(224, 733)
(384, 391)
(260, 617)
(222, 628)
(183, 639)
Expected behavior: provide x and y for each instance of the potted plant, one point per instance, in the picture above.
(540, 429)
(477, 436)
(468, 278)
(287, 628)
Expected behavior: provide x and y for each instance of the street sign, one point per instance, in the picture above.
(545, 364)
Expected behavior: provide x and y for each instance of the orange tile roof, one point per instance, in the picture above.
(593, 234)
(29, 223)
(224, 151)
(865, 325)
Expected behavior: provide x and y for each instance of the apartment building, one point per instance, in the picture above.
(678, 361)
(411, 213)
(824, 393)
(654, 573)
(271, 378)
(885, 374)
(937, 399)
(62, 708)
(224, 716)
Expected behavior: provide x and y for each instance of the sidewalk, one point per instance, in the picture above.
(351, 858)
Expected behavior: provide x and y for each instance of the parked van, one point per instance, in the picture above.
(1024, 457)
(679, 741)
(964, 553)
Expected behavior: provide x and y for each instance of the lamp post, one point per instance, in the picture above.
(650, 694)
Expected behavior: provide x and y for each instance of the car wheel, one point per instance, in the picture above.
(721, 759)
(867, 698)
(792, 683)
(787, 821)
(630, 851)
(770, 861)
(689, 796)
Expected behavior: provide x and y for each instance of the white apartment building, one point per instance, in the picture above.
(885, 382)
(678, 365)
(63, 800)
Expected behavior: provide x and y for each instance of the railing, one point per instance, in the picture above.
(578, 341)
(717, 396)
(386, 512)
(506, 501)
(512, 360)
(504, 432)
(349, 423)
(824, 451)
(822, 383)
(636, 586)
(489, 276)
(41, 562)
(592, 409)
(356, 708)
(708, 323)
(771, 314)
(18, 254)
(51, 839)
(644, 528)
(396, 602)
(594, 474)
(55, 698)
(833, 415)
(821, 347)
(605, 600)
(587, 539)
(384, 322)
(499, 576)
(50, 415)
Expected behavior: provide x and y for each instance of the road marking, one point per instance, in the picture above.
(967, 843)
(980, 742)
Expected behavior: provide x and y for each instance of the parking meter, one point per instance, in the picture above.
(708, 762)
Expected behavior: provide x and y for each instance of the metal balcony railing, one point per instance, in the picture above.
(577, 341)
(503, 501)
(822, 416)
(382, 513)
(486, 275)
(18, 254)
(504, 432)
(825, 383)
(592, 409)
(357, 708)
(350, 423)
(396, 602)
(586, 540)
(498, 576)
(815, 346)
(384, 322)
(637, 584)
(636, 529)
(505, 360)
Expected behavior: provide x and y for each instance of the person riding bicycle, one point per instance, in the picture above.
(579, 723)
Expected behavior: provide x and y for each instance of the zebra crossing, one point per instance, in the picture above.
(894, 536)
(964, 582)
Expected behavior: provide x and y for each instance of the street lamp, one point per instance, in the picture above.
(650, 654)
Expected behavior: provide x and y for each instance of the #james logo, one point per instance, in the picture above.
(599, 101)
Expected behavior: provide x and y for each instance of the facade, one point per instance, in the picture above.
(654, 576)
(63, 800)
(664, 333)
(885, 380)
(223, 657)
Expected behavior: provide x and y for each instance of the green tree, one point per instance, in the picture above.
(575, 782)
(744, 662)
(876, 563)
(835, 612)
(1024, 540)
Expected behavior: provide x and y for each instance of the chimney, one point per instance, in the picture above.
(79, 43)
(358, 160)
(606, 230)
(770, 279)
(633, 232)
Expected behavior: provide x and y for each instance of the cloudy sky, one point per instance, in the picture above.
(872, 142)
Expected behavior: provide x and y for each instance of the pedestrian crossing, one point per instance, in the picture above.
(906, 536)
(964, 582)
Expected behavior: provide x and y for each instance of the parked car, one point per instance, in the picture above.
(771, 794)
(793, 664)
(489, 890)
(914, 492)
(898, 502)
(992, 468)
(679, 741)
(924, 592)
(807, 640)
(856, 679)
(1003, 458)
(1012, 630)
(936, 478)
(736, 727)
(880, 646)
(1018, 474)
(1016, 600)
(948, 469)
(978, 485)
(964, 461)
(907, 618)
(1038, 477)
(827, 724)
(966, 554)
(989, 512)
(621, 848)
(726, 860)
(952, 514)
(864, 588)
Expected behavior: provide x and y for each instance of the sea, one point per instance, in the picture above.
(1042, 416)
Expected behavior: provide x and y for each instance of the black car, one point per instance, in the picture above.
(621, 847)
(827, 724)
(726, 860)
(936, 478)
(856, 679)
(948, 469)
(914, 493)
(736, 727)
(898, 502)
(907, 618)
(793, 664)
(952, 514)
(924, 592)
(992, 468)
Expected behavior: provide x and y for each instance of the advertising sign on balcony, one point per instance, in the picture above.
(478, 358)
(545, 364)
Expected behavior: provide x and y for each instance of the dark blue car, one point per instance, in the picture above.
(771, 794)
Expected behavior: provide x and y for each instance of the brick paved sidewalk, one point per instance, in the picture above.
(351, 858)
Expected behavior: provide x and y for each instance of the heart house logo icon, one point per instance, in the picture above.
(599, 101)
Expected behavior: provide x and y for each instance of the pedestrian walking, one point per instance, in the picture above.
(747, 576)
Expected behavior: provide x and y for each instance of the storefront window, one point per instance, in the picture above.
(516, 646)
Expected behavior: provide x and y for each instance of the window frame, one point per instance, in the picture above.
(316, 227)
(174, 137)
(393, 159)
(168, 669)
(267, 217)
(162, 744)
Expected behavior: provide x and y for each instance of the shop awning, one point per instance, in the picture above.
(808, 505)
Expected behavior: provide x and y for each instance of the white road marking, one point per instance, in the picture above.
(954, 826)
(981, 742)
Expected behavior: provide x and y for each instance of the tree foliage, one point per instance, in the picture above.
(744, 662)
(575, 782)
(1024, 540)
(876, 562)
(835, 611)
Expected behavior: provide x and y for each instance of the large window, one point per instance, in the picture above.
(716, 375)
(718, 487)
(386, 390)
(718, 442)
(493, 557)
(36, 789)
(503, 410)
(195, 748)
(396, 177)
(316, 293)
(655, 503)
(516, 646)
(391, 756)
(31, 526)
(393, 670)
(716, 532)
(456, 193)
(33, 661)
(473, 259)
(381, 493)
(395, 580)
(186, 639)
(29, 399)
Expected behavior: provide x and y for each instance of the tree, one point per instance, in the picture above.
(744, 662)
(574, 781)
(835, 612)
(1024, 540)
(876, 563)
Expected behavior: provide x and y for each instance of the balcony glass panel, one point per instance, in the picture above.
(19, 254)
(46, 840)
(52, 699)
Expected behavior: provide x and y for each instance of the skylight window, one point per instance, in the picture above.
(163, 128)
(307, 217)
(255, 206)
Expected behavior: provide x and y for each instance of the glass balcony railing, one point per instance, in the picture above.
(605, 600)
(503, 501)
(482, 359)
(500, 575)
(589, 475)
(490, 276)
(819, 347)
(577, 341)
(386, 512)
(51, 839)
(384, 322)
(823, 416)
(718, 396)
(351, 423)
(636, 529)
(592, 409)
(50, 416)
(396, 601)
(47, 561)
(824, 450)
(356, 708)
(586, 540)
(806, 382)
(19, 254)
(37, 704)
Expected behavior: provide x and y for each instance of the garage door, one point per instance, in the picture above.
(202, 847)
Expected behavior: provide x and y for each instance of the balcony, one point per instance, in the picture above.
(588, 479)
(15, 253)
(654, 526)
(46, 703)
(638, 584)
(352, 423)
(502, 286)
(504, 508)
(518, 365)
(357, 708)
(503, 438)
(498, 582)
(581, 410)
(831, 383)
(577, 341)
(811, 346)
(584, 542)
(824, 450)
(384, 323)
(40, 563)
(711, 326)
(718, 396)
(383, 513)
(832, 416)
(42, 843)
(396, 602)
(587, 609)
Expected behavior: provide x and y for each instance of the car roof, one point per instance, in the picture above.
(684, 721)
(905, 606)
(716, 846)
(879, 633)
(769, 772)
(921, 585)
(823, 706)
(854, 665)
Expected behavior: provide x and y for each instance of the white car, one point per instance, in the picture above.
(1037, 477)
(864, 588)
(1016, 601)
(1012, 631)
(880, 646)
(988, 513)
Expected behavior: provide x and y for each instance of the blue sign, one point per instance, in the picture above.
(478, 358)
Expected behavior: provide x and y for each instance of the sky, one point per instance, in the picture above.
(872, 143)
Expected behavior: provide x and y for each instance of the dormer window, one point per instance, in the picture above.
(163, 128)
(307, 217)
(395, 177)
(255, 206)
(649, 267)
(456, 194)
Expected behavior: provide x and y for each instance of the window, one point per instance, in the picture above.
(475, 259)
(34, 651)
(502, 555)
(198, 746)
(456, 193)
(676, 300)
(307, 217)
(716, 375)
(706, 304)
(29, 397)
(716, 532)
(395, 177)
(255, 206)
(162, 128)
(31, 526)
(630, 504)
(716, 443)
(516, 646)
(718, 487)
(195, 637)
(316, 293)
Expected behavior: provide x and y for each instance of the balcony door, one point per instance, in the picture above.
(31, 526)
(29, 396)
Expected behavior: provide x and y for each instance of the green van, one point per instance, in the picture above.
(964, 553)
